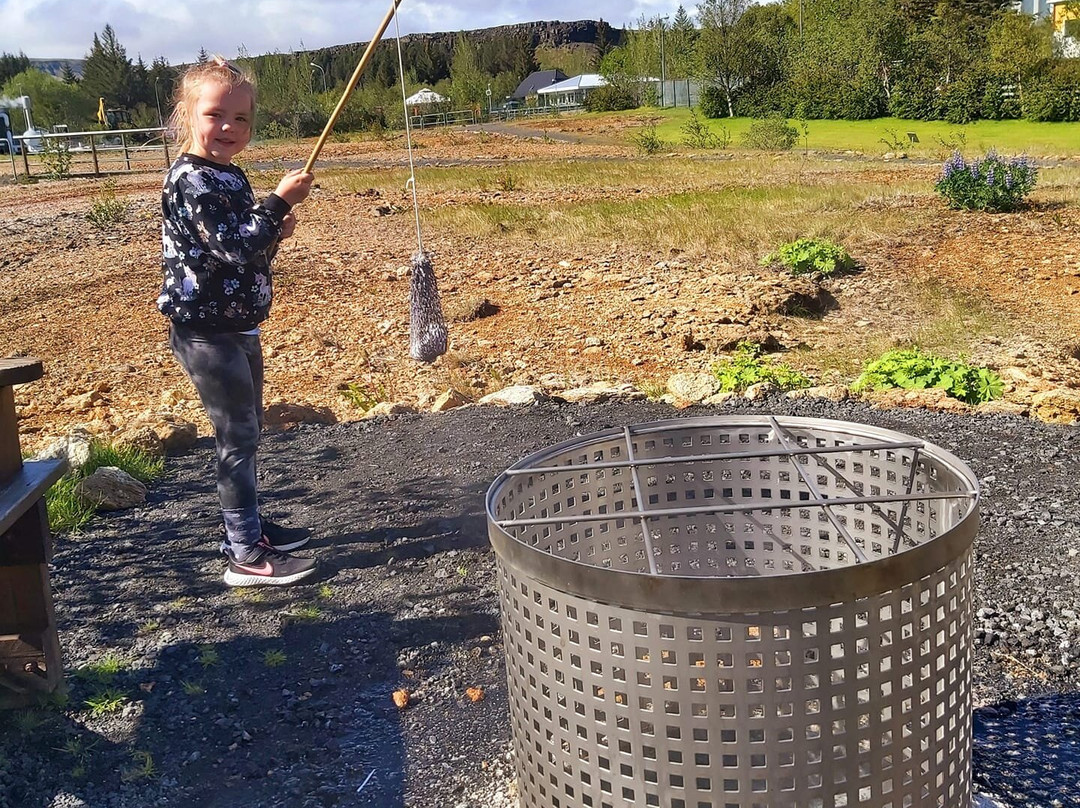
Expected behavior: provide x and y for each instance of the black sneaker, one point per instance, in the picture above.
(284, 539)
(268, 567)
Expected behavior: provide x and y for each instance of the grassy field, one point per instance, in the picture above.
(936, 139)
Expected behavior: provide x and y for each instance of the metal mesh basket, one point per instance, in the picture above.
(738, 612)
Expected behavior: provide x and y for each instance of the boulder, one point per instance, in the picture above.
(514, 396)
(601, 391)
(176, 434)
(931, 399)
(287, 414)
(451, 399)
(831, 392)
(692, 387)
(75, 447)
(1061, 406)
(759, 391)
(111, 489)
(1001, 407)
(384, 408)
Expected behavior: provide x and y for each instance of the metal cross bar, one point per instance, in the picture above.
(646, 534)
(785, 439)
(667, 460)
(730, 507)
(903, 509)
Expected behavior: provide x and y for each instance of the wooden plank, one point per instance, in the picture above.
(10, 451)
(27, 607)
(24, 490)
(28, 541)
(20, 370)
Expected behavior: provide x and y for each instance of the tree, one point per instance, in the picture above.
(10, 64)
(680, 45)
(468, 84)
(67, 75)
(51, 100)
(203, 56)
(107, 72)
(723, 49)
(1019, 47)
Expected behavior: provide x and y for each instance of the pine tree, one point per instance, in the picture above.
(204, 57)
(12, 65)
(107, 72)
(67, 75)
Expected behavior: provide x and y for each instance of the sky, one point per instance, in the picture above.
(177, 29)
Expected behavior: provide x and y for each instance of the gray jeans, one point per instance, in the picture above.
(227, 370)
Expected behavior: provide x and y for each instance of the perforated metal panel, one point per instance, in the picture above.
(738, 612)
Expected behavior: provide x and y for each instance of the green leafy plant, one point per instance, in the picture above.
(913, 369)
(699, 135)
(506, 182)
(305, 613)
(56, 158)
(773, 133)
(647, 141)
(362, 397)
(192, 688)
(748, 367)
(103, 671)
(325, 592)
(106, 210)
(273, 658)
(806, 255)
(142, 769)
(653, 389)
(893, 142)
(106, 701)
(993, 183)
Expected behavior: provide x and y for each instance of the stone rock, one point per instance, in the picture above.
(75, 446)
(469, 309)
(1060, 406)
(514, 396)
(384, 408)
(141, 438)
(285, 414)
(601, 391)
(111, 489)
(720, 398)
(449, 400)
(831, 392)
(1001, 407)
(787, 295)
(176, 434)
(727, 338)
(759, 391)
(932, 399)
(692, 387)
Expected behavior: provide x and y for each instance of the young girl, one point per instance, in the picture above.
(217, 245)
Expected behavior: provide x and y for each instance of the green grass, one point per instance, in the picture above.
(106, 701)
(103, 671)
(1008, 137)
(273, 658)
(67, 510)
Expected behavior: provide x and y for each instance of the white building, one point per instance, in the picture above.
(571, 92)
(1040, 8)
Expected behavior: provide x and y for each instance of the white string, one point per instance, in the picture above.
(408, 139)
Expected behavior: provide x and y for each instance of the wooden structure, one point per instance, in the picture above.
(29, 647)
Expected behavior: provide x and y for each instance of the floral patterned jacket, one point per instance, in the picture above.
(216, 247)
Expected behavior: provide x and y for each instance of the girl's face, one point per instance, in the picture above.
(221, 121)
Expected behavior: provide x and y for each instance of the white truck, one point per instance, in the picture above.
(8, 144)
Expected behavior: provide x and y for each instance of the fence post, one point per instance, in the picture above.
(25, 158)
(93, 153)
(165, 144)
(127, 155)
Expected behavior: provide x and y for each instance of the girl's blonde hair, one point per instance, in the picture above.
(186, 95)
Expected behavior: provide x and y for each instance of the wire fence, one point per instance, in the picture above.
(89, 154)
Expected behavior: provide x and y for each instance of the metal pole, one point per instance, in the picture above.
(93, 153)
(160, 120)
(321, 70)
(663, 75)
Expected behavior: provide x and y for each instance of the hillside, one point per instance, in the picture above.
(54, 67)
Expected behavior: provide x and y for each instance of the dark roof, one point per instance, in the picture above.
(541, 78)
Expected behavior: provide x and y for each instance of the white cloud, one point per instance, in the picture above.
(177, 29)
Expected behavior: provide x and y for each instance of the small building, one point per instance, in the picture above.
(571, 92)
(536, 81)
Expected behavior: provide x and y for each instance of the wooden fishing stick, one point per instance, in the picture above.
(368, 52)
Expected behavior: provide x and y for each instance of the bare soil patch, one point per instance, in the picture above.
(82, 299)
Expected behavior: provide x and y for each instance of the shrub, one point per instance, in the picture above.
(56, 158)
(992, 183)
(106, 209)
(806, 255)
(773, 133)
(747, 367)
(611, 98)
(698, 135)
(713, 102)
(647, 141)
(912, 369)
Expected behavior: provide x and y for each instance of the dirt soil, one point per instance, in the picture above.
(82, 299)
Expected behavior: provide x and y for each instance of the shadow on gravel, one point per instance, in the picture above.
(1027, 753)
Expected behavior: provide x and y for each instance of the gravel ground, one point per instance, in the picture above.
(283, 698)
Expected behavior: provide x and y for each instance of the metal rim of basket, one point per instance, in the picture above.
(728, 594)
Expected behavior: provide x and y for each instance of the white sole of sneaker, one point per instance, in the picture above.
(236, 579)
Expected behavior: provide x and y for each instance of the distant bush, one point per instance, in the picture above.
(713, 102)
(611, 98)
(992, 183)
(773, 133)
(106, 209)
(912, 369)
(699, 135)
(647, 141)
(806, 255)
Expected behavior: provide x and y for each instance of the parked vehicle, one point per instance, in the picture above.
(8, 144)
